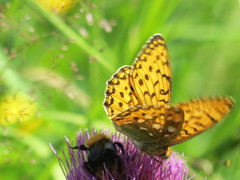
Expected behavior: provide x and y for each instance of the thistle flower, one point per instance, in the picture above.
(137, 165)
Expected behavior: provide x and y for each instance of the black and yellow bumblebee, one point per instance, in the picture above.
(102, 155)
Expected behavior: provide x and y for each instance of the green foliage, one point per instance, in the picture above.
(64, 61)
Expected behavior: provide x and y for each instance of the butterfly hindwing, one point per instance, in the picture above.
(200, 115)
(145, 123)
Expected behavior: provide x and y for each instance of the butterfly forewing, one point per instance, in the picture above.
(201, 114)
(148, 81)
(119, 94)
(151, 74)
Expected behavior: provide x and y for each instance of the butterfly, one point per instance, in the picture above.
(137, 100)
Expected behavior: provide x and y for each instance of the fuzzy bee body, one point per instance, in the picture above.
(102, 155)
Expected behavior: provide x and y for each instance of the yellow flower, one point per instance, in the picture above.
(57, 6)
(16, 109)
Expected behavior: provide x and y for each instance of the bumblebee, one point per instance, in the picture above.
(102, 155)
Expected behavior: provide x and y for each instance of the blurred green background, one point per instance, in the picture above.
(62, 61)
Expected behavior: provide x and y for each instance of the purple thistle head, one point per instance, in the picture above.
(135, 165)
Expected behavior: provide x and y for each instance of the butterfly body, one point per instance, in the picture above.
(138, 103)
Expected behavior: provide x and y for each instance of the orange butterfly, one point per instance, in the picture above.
(138, 103)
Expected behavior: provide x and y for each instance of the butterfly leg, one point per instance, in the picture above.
(166, 153)
(154, 158)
